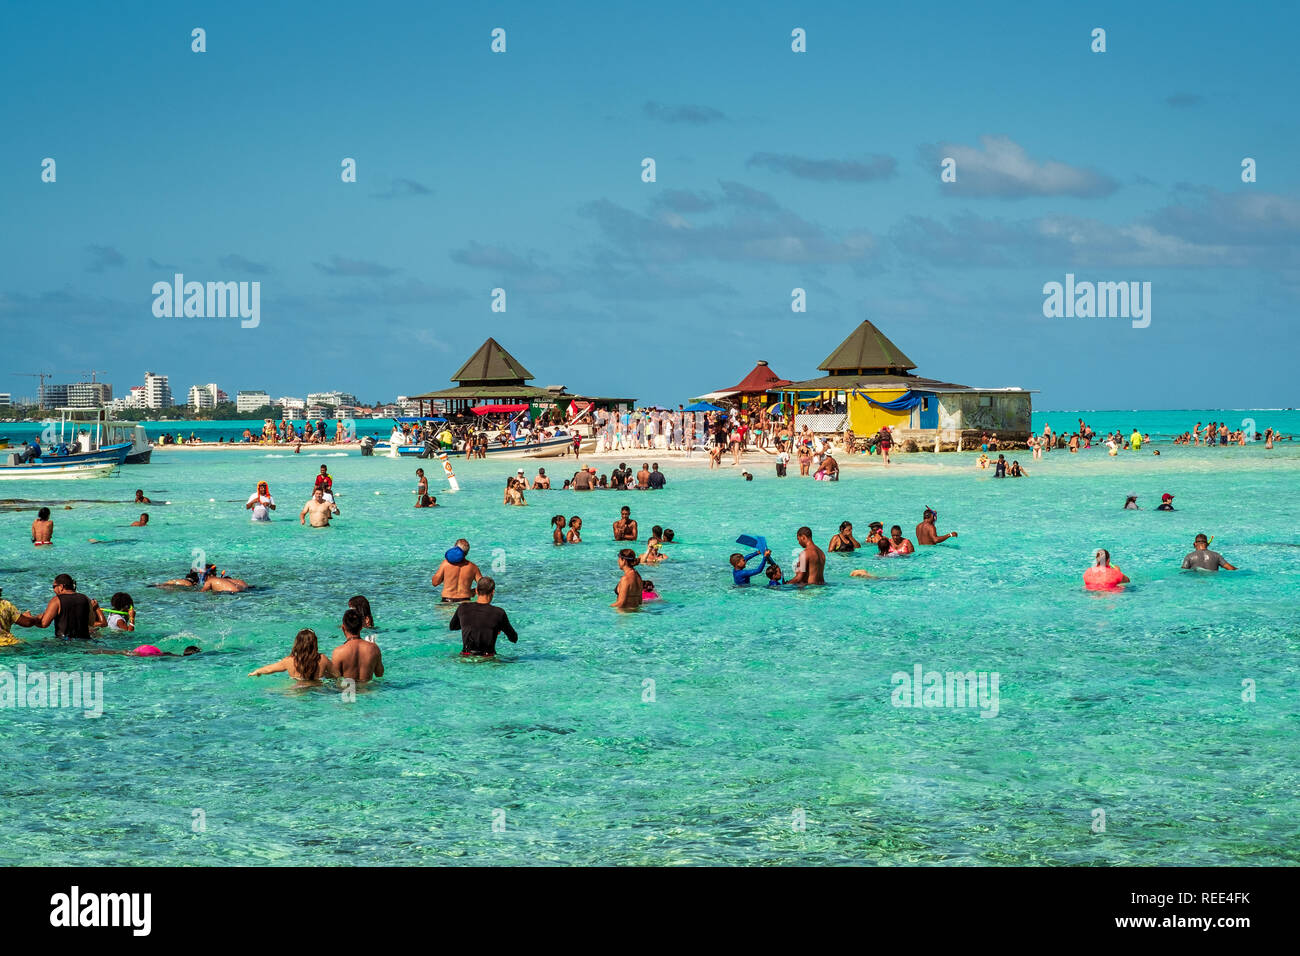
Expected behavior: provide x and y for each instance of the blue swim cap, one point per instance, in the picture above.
(454, 555)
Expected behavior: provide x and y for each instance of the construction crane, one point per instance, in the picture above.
(42, 376)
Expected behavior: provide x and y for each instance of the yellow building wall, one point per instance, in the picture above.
(865, 419)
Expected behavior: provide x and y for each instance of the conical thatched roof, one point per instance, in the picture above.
(492, 363)
(867, 349)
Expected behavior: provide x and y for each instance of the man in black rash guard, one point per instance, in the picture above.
(481, 622)
(72, 614)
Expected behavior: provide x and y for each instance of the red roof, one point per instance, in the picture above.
(761, 379)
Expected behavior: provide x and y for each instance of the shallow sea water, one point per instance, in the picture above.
(764, 705)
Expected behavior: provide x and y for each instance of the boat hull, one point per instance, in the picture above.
(40, 471)
(109, 454)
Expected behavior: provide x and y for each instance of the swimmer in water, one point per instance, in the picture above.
(844, 540)
(190, 580)
(860, 573)
(426, 501)
(261, 503)
(319, 509)
(356, 658)
(897, 543)
(1131, 503)
(1166, 502)
(147, 650)
(141, 521)
(480, 622)
(140, 499)
(1201, 558)
(883, 550)
(9, 616)
(305, 661)
(652, 553)
(71, 613)
(625, 527)
(811, 563)
(361, 605)
(627, 596)
(575, 530)
(325, 483)
(121, 613)
(648, 590)
(927, 533)
(558, 525)
(457, 577)
(875, 533)
(667, 536)
(739, 574)
(43, 528)
(1103, 576)
(220, 582)
(422, 485)
(773, 573)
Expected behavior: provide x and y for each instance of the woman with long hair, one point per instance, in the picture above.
(362, 606)
(305, 661)
(628, 593)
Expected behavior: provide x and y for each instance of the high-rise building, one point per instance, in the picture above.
(6, 401)
(89, 394)
(203, 396)
(251, 400)
(157, 391)
(331, 398)
(53, 396)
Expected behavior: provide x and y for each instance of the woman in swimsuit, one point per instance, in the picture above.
(305, 661)
(575, 530)
(627, 595)
(844, 541)
(361, 605)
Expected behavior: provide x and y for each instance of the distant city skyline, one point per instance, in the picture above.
(518, 179)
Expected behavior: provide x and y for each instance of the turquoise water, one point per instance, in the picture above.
(764, 703)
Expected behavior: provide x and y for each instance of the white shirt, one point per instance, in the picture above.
(260, 511)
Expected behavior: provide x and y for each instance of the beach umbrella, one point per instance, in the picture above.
(704, 407)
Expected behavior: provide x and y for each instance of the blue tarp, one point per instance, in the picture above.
(904, 403)
(703, 407)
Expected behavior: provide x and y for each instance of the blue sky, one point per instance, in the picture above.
(775, 170)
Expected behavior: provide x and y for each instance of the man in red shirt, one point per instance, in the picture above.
(325, 483)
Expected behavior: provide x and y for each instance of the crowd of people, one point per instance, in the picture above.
(1221, 434)
(461, 583)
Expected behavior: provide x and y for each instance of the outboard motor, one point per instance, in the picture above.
(368, 446)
